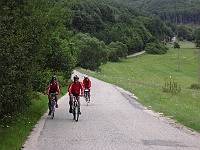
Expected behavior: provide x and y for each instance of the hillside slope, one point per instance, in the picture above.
(174, 11)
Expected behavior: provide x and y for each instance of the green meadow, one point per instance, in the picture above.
(160, 82)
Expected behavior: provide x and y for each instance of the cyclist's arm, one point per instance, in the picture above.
(48, 88)
(70, 88)
(58, 88)
(83, 83)
(82, 88)
(89, 83)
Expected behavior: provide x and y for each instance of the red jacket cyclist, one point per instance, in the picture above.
(75, 89)
(87, 85)
(53, 87)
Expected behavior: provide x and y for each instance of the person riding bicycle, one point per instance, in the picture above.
(87, 85)
(75, 89)
(53, 87)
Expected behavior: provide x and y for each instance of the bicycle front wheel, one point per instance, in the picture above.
(52, 111)
(52, 115)
(76, 113)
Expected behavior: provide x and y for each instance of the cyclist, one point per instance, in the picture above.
(53, 87)
(87, 85)
(75, 89)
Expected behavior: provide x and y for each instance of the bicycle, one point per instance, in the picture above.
(53, 104)
(75, 109)
(86, 94)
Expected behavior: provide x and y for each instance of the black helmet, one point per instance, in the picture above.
(53, 77)
(76, 77)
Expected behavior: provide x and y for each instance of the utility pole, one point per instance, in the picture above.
(199, 68)
(178, 59)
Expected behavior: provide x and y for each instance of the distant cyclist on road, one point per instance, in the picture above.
(87, 85)
(75, 89)
(53, 87)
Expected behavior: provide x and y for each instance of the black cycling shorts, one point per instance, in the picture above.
(75, 94)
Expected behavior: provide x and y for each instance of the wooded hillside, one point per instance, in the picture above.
(174, 11)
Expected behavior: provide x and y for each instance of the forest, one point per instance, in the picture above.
(40, 38)
(174, 11)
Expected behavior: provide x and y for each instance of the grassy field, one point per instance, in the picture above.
(146, 76)
(13, 136)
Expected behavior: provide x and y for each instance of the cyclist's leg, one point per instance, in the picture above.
(70, 103)
(79, 104)
(84, 94)
(56, 101)
(49, 104)
(78, 99)
(89, 94)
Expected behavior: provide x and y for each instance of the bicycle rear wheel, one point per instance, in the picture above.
(87, 101)
(74, 114)
(87, 98)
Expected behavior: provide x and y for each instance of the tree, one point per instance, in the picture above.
(117, 50)
(197, 37)
(185, 32)
(155, 48)
(134, 42)
(26, 28)
(23, 36)
(93, 52)
(63, 53)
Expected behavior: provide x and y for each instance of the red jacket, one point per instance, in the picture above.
(75, 88)
(87, 83)
(53, 87)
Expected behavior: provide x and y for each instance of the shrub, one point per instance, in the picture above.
(155, 48)
(176, 45)
(195, 86)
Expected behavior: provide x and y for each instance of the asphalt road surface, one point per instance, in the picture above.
(113, 121)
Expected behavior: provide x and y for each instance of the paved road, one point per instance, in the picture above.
(136, 54)
(112, 121)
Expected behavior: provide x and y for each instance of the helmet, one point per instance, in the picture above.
(76, 77)
(53, 77)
